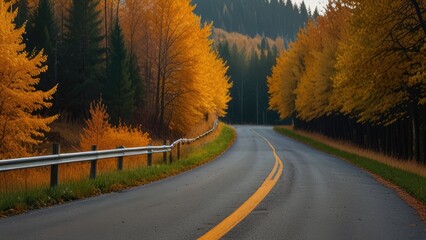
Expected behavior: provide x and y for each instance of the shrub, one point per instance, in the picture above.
(100, 132)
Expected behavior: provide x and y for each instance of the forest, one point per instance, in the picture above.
(271, 25)
(357, 74)
(275, 18)
(137, 68)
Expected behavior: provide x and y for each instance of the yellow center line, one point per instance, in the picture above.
(248, 206)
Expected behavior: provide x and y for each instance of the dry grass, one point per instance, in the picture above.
(66, 134)
(407, 165)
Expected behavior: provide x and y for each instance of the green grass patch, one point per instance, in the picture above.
(410, 182)
(17, 202)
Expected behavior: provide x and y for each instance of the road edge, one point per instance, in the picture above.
(412, 201)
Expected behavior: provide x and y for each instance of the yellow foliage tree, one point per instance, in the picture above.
(182, 73)
(316, 84)
(97, 127)
(285, 76)
(20, 127)
(381, 64)
(99, 132)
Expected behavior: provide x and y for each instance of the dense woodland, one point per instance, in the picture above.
(358, 74)
(275, 18)
(135, 64)
(249, 67)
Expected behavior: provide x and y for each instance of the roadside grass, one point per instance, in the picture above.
(16, 202)
(412, 183)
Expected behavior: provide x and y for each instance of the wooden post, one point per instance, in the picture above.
(93, 165)
(54, 176)
(178, 151)
(164, 153)
(171, 155)
(120, 161)
(149, 155)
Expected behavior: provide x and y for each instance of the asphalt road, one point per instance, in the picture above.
(317, 197)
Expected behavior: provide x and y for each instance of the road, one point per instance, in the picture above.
(316, 197)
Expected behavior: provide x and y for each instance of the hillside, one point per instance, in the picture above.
(274, 18)
(244, 42)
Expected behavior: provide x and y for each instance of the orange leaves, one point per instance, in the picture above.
(97, 127)
(362, 58)
(184, 77)
(376, 63)
(285, 76)
(20, 127)
(99, 132)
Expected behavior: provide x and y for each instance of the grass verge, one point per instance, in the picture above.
(12, 203)
(411, 183)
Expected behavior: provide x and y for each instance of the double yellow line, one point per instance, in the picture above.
(248, 206)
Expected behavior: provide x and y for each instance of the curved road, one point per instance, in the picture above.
(316, 197)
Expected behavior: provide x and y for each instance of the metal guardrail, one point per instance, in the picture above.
(55, 159)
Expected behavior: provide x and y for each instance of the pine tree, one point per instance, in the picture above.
(20, 127)
(23, 13)
(118, 92)
(83, 63)
(137, 82)
(42, 35)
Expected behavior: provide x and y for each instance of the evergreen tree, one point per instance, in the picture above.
(118, 92)
(42, 35)
(136, 80)
(23, 13)
(83, 61)
(303, 13)
(315, 14)
(251, 17)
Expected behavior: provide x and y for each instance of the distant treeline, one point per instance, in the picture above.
(249, 66)
(248, 72)
(272, 18)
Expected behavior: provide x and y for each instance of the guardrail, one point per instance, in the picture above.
(93, 156)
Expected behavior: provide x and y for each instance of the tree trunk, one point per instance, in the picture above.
(415, 131)
(419, 15)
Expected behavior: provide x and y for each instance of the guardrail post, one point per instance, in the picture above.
(149, 155)
(178, 151)
(120, 161)
(165, 153)
(171, 155)
(54, 176)
(93, 165)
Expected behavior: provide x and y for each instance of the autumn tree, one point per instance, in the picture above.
(316, 83)
(98, 131)
(97, 127)
(285, 77)
(362, 76)
(381, 65)
(174, 44)
(20, 126)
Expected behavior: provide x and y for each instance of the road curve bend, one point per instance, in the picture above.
(316, 197)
